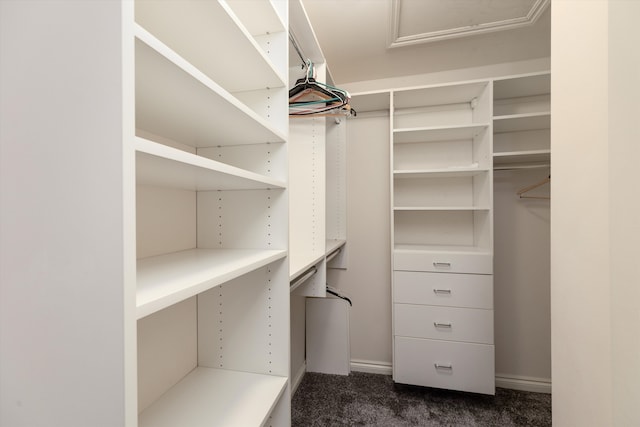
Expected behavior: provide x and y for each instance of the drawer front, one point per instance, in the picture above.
(445, 262)
(443, 364)
(443, 323)
(454, 290)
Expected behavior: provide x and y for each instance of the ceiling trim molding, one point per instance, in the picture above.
(395, 40)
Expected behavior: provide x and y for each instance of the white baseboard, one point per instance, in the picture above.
(514, 382)
(371, 367)
(298, 378)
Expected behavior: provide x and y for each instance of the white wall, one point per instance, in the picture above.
(594, 218)
(624, 209)
(367, 279)
(521, 279)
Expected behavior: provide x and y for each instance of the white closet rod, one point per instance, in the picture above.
(301, 279)
(294, 43)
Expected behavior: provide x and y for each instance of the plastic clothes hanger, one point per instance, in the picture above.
(532, 187)
(310, 97)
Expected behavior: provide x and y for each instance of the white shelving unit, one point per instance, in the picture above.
(212, 213)
(442, 235)
(163, 129)
(522, 120)
(317, 170)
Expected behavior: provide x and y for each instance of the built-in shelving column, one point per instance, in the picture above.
(522, 120)
(212, 213)
(442, 237)
(336, 192)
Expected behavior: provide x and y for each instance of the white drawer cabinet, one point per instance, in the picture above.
(444, 364)
(443, 262)
(442, 236)
(444, 323)
(443, 289)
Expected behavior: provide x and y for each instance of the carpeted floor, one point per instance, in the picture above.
(361, 399)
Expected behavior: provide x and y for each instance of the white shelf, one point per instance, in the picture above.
(440, 208)
(367, 102)
(247, 66)
(167, 279)
(451, 172)
(522, 122)
(529, 156)
(160, 165)
(438, 95)
(470, 250)
(333, 244)
(522, 86)
(439, 133)
(177, 101)
(301, 262)
(215, 397)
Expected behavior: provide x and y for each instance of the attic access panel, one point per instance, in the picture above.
(423, 21)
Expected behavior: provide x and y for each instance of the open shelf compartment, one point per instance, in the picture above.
(201, 23)
(163, 166)
(452, 105)
(176, 101)
(165, 280)
(209, 396)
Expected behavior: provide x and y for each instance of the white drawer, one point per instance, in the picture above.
(443, 323)
(455, 290)
(444, 262)
(444, 364)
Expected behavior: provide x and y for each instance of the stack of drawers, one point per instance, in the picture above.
(443, 321)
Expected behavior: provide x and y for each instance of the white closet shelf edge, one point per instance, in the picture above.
(165, 280)
(451, 172)
(441, 208)
(209, 396)
(333, 244)
(440, 249)
(257, 17)
(170, 167)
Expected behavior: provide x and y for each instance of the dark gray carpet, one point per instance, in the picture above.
(374, 400)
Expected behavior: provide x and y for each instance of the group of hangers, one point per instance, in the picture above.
(308, 97)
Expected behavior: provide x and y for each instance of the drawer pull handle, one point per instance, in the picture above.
(442, 325)
(441, 264)
(445, 367)
(442, 291)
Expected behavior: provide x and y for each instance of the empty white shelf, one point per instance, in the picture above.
(215, 397)
(164, 166)
(439, 133)
(300, 262)
(525, 86)
(441, 208)
(528, 156)
(471, 250)
(438, 95)
(452, 172)
(177, 101)
(366, 102)
(333, 244)
(521, 122)
(246, 66)
(167, 279)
